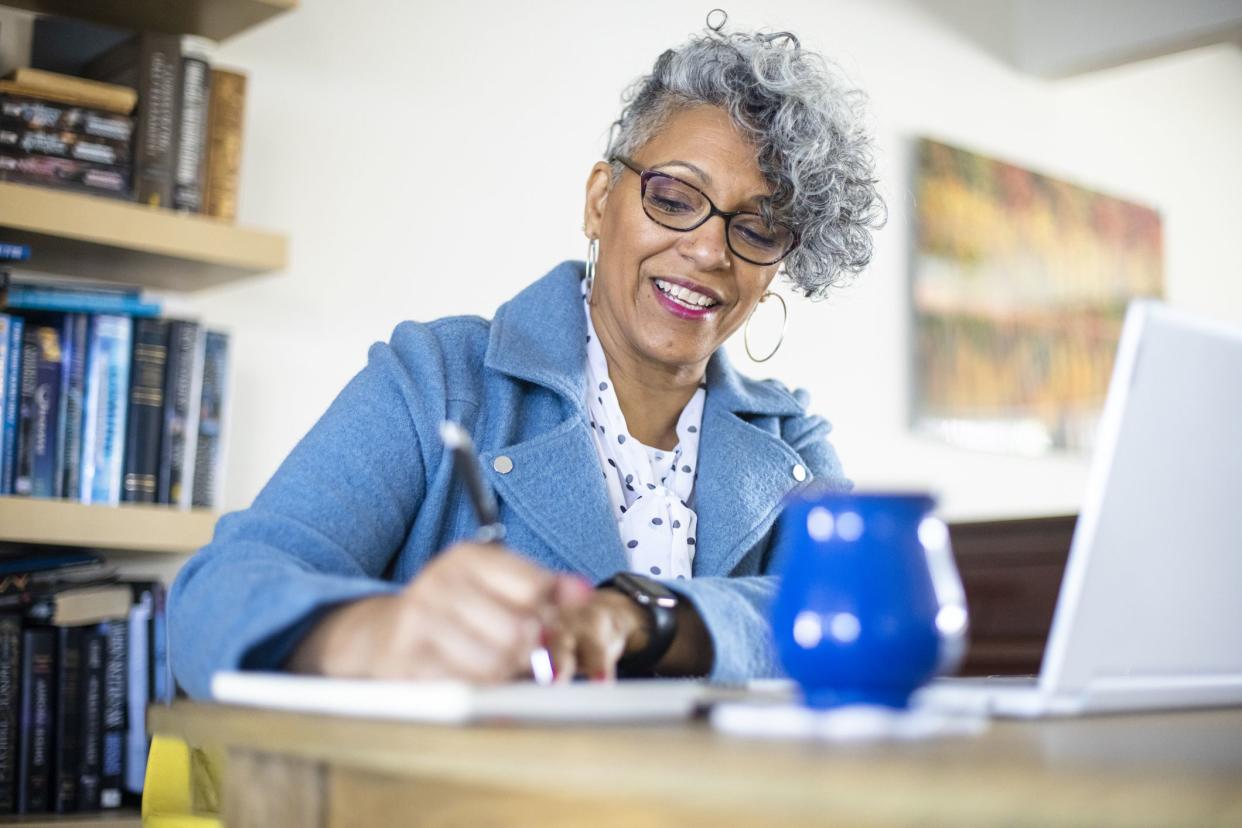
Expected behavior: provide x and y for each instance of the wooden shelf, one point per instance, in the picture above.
(125, 242)
(217, 19)
(133, 527)
(121, 818)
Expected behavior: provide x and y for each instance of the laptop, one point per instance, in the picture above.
(1150, 610)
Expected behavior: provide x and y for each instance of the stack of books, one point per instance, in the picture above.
(81, 656)
(66, 132)
(103, 400)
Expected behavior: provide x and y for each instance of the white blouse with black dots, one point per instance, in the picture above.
(649, 488)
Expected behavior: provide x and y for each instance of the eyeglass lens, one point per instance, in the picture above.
(679, 206)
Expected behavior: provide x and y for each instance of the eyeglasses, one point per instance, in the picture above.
(672, 203)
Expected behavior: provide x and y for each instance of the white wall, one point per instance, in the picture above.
(382, 132)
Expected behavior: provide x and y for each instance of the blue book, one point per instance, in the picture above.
(107, 397)
(14, 252)
(6, 323)
(138, 693)
(11, 378)
(32, 298)
(74, 333)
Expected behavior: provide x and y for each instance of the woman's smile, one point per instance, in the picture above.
(685, 299)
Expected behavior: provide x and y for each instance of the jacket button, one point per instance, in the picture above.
(799, 472)
(502, 464)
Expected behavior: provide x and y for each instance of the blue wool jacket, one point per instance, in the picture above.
(367, 497)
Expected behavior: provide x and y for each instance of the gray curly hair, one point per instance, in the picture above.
(806, 124)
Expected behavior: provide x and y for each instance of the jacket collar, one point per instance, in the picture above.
(540, 336)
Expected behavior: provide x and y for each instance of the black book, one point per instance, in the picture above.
(76, 327)
(145, 419)
(115, 690)
(68, 718)
(184, 379)
(38, 712)
(10, 703)
(94, 653)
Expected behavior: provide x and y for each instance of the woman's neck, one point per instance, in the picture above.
(652, 395)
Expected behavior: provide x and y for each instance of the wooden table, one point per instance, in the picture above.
(307, 771)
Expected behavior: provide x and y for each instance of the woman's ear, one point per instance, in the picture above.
(598, 184)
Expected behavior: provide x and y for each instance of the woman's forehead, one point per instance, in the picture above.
(704, 146)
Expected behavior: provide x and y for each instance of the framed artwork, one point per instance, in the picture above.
(1019, 289)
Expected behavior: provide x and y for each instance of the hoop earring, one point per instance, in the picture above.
(784, 322)
(592, 257)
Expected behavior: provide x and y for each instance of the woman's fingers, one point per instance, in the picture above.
(590, 639)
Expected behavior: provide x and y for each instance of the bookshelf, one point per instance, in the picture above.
(217, 19)
(129, 527)
(127, 242)
(121, 818)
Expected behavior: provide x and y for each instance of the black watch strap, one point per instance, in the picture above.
(660, 604)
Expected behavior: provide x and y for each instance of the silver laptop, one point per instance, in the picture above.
(1150, 610)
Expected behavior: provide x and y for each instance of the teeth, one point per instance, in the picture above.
(684, 295)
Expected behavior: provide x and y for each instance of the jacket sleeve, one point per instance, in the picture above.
(320, 533)
(735, 610)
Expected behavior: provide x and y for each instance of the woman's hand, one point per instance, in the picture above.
(590, 638)
(474, 613)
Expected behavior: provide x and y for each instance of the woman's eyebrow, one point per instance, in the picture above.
(702, 174)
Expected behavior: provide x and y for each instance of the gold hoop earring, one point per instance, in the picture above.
(592, 257)
(784, 322)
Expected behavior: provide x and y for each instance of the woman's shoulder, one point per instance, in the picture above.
(445, 354)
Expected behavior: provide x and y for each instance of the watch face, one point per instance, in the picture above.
(645, 590)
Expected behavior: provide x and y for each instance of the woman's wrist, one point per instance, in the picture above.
(336, 644)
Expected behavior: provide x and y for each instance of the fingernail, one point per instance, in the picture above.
(599, 675)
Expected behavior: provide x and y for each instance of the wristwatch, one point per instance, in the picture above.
(660, 604)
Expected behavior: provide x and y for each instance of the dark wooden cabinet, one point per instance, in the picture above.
(1011, 570)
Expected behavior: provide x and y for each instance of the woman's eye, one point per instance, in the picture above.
(754, 237)
(670, 205)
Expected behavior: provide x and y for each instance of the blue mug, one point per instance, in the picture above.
(870, 606)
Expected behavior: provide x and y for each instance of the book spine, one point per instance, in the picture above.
(63, 173)
(68, 719)
(77, 328)
(38, 709)
(10, 702)
(12, 402)
(139, 667)
(162, 684)
(14, 252)
(115, 693)
(105, 96)
(146, 410)
(6, 325)
(23, 472)
(183, 342)
(59, 143)
(64, 336)
(211, 420)
(194, 96)
(107, 403)
(181, 490)
(159, 76)
(22, 297)
(225, 118)
(33, 113)
(94, 650)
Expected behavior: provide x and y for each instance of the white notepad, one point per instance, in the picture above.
(456, 702)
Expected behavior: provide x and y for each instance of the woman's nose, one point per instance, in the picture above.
(706, 244)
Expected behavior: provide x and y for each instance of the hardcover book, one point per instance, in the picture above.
(151, 63)
(146, 410)
(63, 173)
(6, 325)
(139, 669)
(182, 390)
(212, 404)
(194, 94)
(12, 391)
(68, 719)
(39, 83)
(10, 701)
(103, 426)
(75, 328)
(38, 710)
(224, 142)
(40, 409)
(94, 651)
(115, 712)
(33, 113)
(63, 144)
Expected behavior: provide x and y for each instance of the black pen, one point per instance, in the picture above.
(491, 530)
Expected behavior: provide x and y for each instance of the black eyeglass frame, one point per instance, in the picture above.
(645, 175)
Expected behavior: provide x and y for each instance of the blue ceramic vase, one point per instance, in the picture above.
(870, 605)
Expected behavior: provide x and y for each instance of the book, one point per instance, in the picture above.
(225, 117)
(146, 410)
(103, 422)
(194, 94)
(115, 712)
(39, 83)
(6, 323)
(32, 113)
(10, 701)
(11, 278)
(94, 651)
(209, 448)
(150, 62)
(34, 298)
(14, 252)
(85, 605)
(138, 663)
(182, 392)
(38, 709)
(65, 174)
(12, 385)
(64, 144)
(73, 391)
(40, 406)
(68, 720)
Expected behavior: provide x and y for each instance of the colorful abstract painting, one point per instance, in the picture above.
(1020, 287)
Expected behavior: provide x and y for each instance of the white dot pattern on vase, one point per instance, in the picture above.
(649, 488)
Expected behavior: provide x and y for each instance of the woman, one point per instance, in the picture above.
(610, 424)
